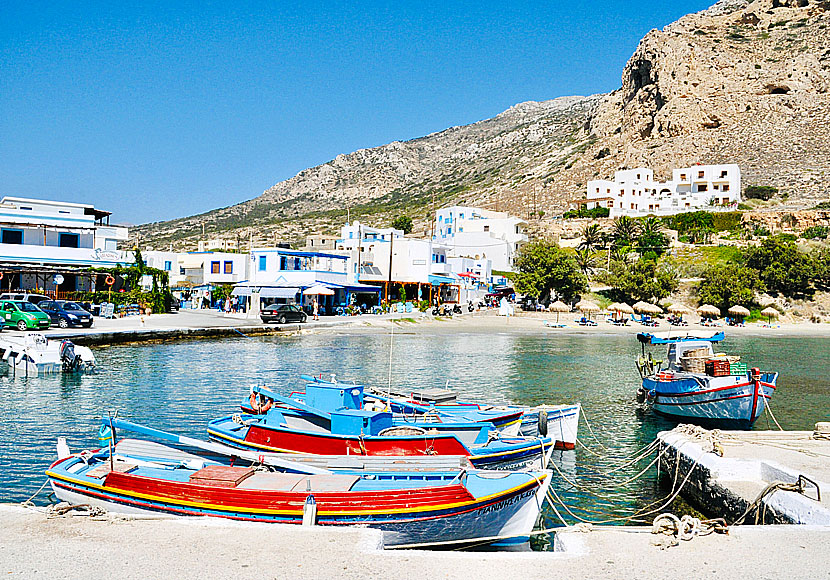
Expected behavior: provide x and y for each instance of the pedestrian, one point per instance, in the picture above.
(228, 305)
(315, 309)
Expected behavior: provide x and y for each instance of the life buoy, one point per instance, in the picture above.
(109, 280)
(1, 275)
(542, 422)
(257, 404)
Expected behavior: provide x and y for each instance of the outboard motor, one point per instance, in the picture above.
(69, 360)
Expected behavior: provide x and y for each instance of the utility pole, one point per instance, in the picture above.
(359, 251)
(432, 217)
(389, 285)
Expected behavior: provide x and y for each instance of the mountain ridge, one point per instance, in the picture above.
(741, 81)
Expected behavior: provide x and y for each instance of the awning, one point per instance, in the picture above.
(266, 291)
(437, 279)
(356, 288)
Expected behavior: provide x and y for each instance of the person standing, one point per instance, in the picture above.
(315, 307)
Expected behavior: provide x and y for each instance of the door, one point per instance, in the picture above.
(9, 313)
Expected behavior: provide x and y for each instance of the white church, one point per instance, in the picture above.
(635, 193)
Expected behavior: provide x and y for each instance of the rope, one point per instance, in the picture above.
(28, 503)
(768, 490)
(83, 509)
(768, 409)
(687, 527)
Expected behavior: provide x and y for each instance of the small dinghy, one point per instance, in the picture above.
(696, 385)
(417, 508)
(33, 354)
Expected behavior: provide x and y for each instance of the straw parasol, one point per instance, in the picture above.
(770, 313)
(647, 307)
(678, 309)
(558, 307)
(709, 310)
(738, 310)
(621, 308)
(587, 306)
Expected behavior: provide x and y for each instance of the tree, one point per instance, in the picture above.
(625, 231)
(543, 267)
(586, 260)
(403, 222)
(652, 238)
(592, 237)
(764, 192)
(643, 280)
(781, 266)
(725, 285)
(821, 267)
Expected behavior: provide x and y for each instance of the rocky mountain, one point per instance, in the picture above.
(742, 82)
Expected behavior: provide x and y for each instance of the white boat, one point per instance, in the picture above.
(33, 354)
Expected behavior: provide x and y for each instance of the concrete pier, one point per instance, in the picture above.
(728, 470)
(34, 546)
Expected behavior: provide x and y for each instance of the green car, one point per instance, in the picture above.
(24, 315)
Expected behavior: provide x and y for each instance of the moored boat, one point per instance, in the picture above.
(345, 428)
(415, 508)
(696, 385)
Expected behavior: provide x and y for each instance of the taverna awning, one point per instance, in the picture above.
(437, 280)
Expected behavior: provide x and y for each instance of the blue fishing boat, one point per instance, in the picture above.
(696, 385)
(416, 508)
(330, 420)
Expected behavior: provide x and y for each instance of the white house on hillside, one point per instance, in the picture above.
(480, 234)
(634, 192)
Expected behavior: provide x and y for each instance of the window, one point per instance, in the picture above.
(682, 177)
(168, 265)
(12, 236)
(440, 219)
(723, 174)
(449, 231)
(700, 175)
(460, 229)
(638, 176)
(68, 240)
(702, 187)
(214, 267)
(725, 187)
(715, 187)
(263, 263)
(486, 228)
(228, 267)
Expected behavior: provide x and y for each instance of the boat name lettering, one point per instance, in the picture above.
(506, 502)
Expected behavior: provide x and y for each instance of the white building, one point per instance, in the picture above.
(42, 238)
(386, 257)
(480, 234)
(634, 192)
(282, 275)
(218, 245)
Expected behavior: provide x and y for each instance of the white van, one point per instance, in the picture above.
(18, 296)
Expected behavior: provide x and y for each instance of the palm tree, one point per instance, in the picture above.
(586, 260)
(625, 231)
(592, 237)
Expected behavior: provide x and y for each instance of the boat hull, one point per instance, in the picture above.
(503, 454)
(420, 517)
(729, 402)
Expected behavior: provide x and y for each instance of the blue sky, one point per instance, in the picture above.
(162, 110)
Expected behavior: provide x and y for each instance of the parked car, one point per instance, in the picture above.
(66, 313)
(24, 315)
(283, 313)
(27, 296)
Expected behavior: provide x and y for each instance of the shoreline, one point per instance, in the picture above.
(211, 324)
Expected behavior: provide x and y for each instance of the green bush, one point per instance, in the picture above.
(764, 192)
(597, 212)
(726, 221)
(815, 232)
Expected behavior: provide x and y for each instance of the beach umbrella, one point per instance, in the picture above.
(318, 290)
(770, 313)
(558, 307)
(624, 308)
(709, 310)
(738, 310)
(587, 306)
(647, 307)
(678, 309)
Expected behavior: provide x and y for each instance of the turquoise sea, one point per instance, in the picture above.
(181, 385)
